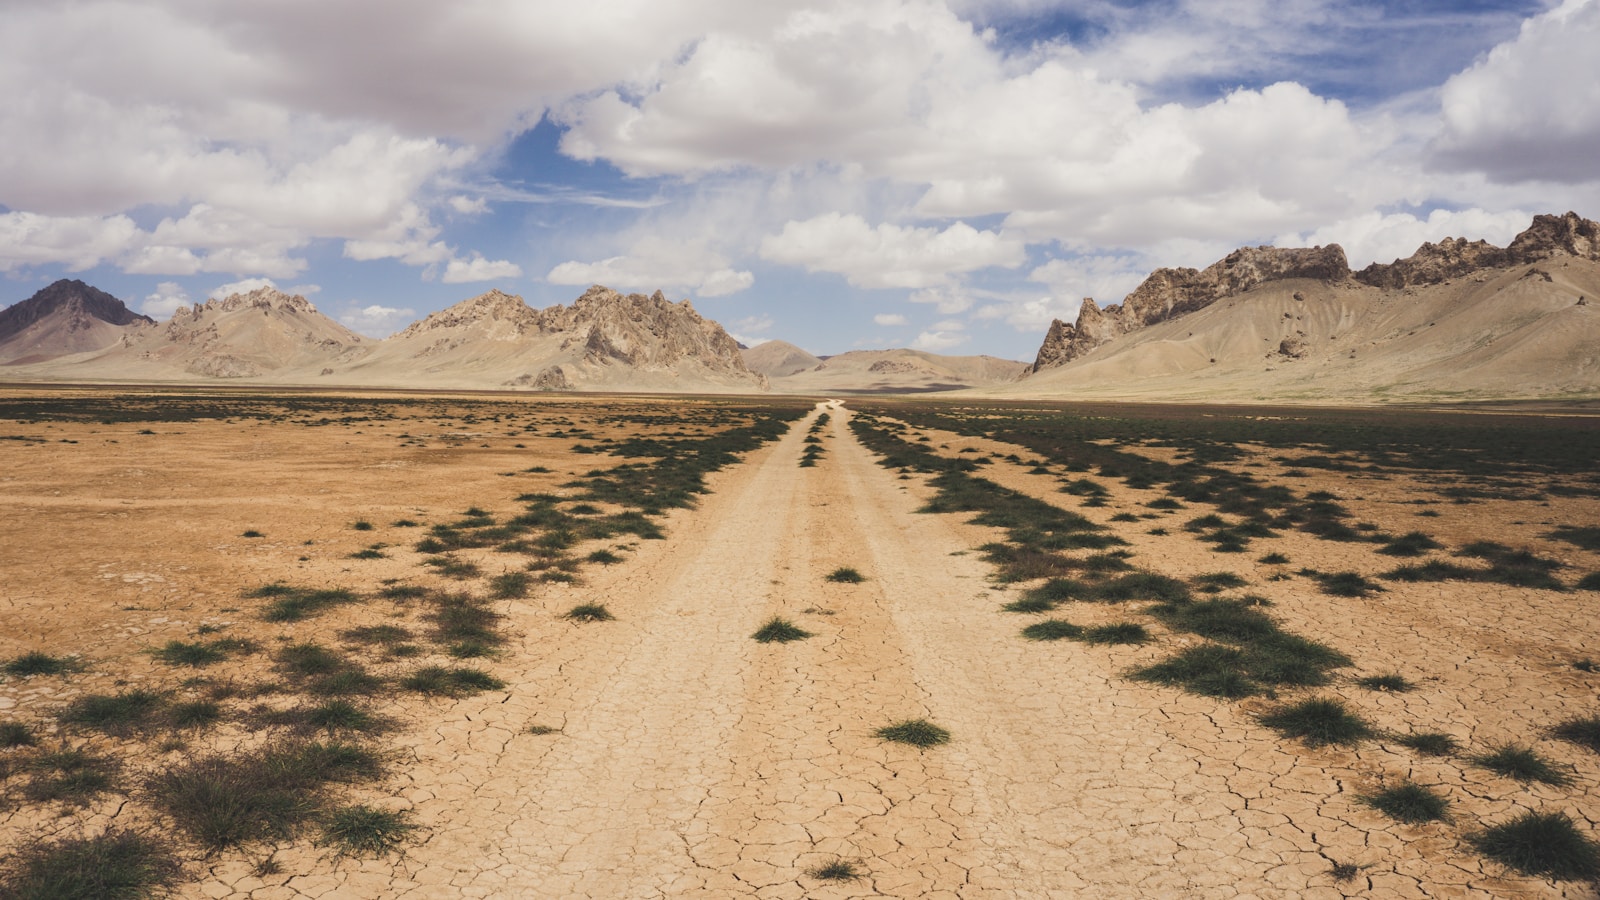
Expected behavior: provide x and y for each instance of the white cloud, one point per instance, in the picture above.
(1375, 237)
(889, 256)
(479, 269)
(656, 263)
(747, 331)
(377, 320)
(934, 341)
(1108, 278)
(469, 206)
(78, 242)
(946, 300)
(243, 286)
(168, 298)
(888, 319)
(1530, 110)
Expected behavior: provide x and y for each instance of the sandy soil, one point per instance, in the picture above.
(690, 760)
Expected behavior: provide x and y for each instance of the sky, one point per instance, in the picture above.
(947, 175)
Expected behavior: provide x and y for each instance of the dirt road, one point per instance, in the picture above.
(692, 761)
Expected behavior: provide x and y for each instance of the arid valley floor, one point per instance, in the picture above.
(278, 645)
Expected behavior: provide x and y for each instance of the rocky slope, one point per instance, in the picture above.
(66, 317)
(603, 340)
(1171, 293)
(1456, 320)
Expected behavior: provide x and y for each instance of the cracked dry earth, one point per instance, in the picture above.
(693, 761)
(688, 760)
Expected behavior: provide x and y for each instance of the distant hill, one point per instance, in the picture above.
(776, 359)
(1456, 320)
(603, 341)
(64, 318)
(898, 371)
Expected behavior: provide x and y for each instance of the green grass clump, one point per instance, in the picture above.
(1347, 584)
(1118, 633)
(604, 557)
(1218, 581)
(1583, 732)
(1412, 543)
(589, 612)
(355, 830)
(1052, 630)
(37, 663)
(361, 525)
(916, 732)
(292, 604)
(69, 776)
(464, 619)
(1210, 670)
(197, 654)
(382, 635)
(780, 630)
(15, 734)
(510, 586)
(1410, 803)
(116, 714)
(116, 865)
(369, 553)
(838, 870)
(195, 714)
(1522, 764)
(1318, 721)
(1546, 845)
(457, 681)
(1392, 683)
(1430, 743)
(224, 801)
(845, 575)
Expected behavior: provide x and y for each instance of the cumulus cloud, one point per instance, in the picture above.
(1377, 237)
(243, 286)
(888, 255)
(377, 320)
(460, 271)
(935, 341)
(1530, 110)
(747, 330)
(657, 263)
(888, 319)
(168, 298)
(78, 242)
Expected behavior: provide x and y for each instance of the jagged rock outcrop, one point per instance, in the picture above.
(603, 339)
(1169, 293)
(1549, 236)
(63, 318)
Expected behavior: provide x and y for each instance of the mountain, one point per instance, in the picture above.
(1456, 320)
(603, 341)
(898, 371)
(64, 318)
(776, 359)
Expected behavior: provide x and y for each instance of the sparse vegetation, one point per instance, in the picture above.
(1410, 803)
(780, 630)
(1052, 630)
(1585, 732)
(1318, 721)
(589, 612)
(1521, 763)
(357, 830)
(845, 575)
(1391, 683)
(1430, 743)
(116, 865)
(838, 870)
(116, 714)
(916, 732)
(36, 662)
(1546, 845)
(458, 681)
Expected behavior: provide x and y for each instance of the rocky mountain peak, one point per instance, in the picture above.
(503, 316)
(1169, 293)
(1566, 235)
(78, 304)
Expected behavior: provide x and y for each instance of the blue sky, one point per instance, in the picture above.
(943, 174)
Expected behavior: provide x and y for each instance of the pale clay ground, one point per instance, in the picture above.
(695, 762)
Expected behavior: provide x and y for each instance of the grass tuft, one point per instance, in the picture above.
(1118, 633)
(37, 663)
(456, 681)
(116, 714)
(845, 575)
(1318, 721)
(15, 734)
(1052, 630)
(780, 630)
(1410, 803)
(1542, 844)
(1522, 764)
(916, 732)
(838, 870)
(589, 612)
(1430, 743)
(116, 865)
(354, 830)
(1583, 732)
(1392, 683)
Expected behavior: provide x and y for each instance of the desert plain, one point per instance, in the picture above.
(271, 644)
